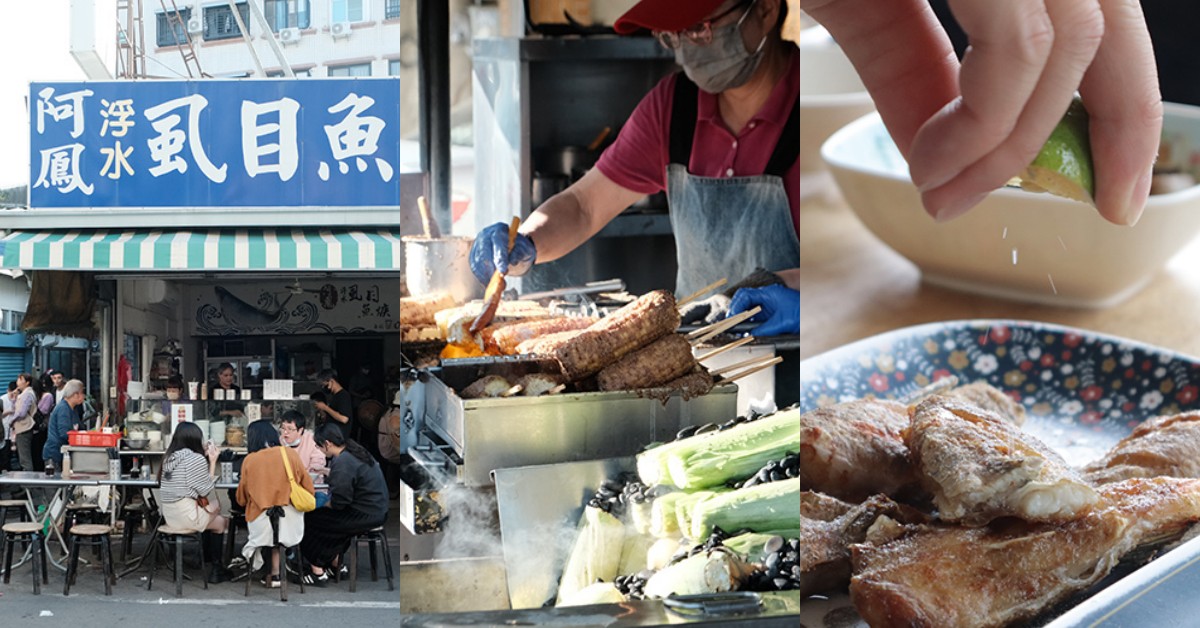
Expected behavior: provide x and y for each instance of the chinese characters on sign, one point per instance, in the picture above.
(249, 143)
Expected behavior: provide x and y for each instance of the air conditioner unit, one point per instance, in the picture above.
(289, 35)
(195, 25)
(340, 29)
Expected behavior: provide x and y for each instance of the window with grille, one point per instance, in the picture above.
(348, 10)
(219, 22)
(298, 73)
(283, 14)
(354, 69)
(391, 9)
(171, 32)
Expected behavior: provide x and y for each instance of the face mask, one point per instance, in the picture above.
(724, 63)
(172, 395)
(294, 443)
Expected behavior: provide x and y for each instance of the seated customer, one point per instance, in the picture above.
(358, 502)
(187, 476)
(293, 434)
(263, 485)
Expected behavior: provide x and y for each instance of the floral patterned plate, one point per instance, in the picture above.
(1082, 392)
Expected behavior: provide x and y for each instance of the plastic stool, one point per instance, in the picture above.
(371, 537)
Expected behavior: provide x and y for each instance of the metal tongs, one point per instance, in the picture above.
(592, 287)
(701, 604)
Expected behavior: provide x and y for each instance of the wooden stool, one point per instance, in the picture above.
(273, 514)
(169, 536)
(130, 514)
(31, 532)
(371, 537)
(97, 536)
(237, 518)
(17, 506)
(76, 512)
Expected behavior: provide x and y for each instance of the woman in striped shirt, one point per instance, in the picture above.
(187, 476)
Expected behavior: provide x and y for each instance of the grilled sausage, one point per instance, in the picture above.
(419, 311)
(657, 363)
(650, 317)
(509, 338)
(548, 344)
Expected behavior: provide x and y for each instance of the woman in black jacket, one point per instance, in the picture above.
(358, 502)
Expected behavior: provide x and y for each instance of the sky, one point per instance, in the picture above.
(34, 46)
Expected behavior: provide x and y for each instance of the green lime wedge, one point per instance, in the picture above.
(1064, 166)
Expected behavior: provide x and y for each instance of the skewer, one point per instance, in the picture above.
(733, 345)
(691, 297)
(743, 364)
(772, 362)
(704, 333)
(512, 391)
(557, 389)
(426, 217)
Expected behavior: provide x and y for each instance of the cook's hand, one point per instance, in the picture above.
(780, 309)
(490, 252)
(704, 311)
(966, 129)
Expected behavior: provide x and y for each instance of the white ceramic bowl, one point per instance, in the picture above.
(1016, 244)
(831, 95)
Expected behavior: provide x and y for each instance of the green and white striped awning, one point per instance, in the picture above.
(203, 250)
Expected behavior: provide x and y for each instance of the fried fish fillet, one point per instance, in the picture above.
(828, 527)
(993, 576)
(855, 449)
(1165, 445)
(979, 466)
(987, 397)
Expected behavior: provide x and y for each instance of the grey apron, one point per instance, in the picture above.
(725, 227)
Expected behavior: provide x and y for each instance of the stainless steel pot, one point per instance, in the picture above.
(440, 264)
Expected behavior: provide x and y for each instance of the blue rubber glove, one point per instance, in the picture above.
(780, 309)
(489, 253)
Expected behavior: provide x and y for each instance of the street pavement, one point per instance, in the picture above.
(220, 605)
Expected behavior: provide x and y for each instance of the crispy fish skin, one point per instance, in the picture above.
(855, 449)
(993, 576)
(1165, 445)
(987, 397)
(825, 543)
(979, 467)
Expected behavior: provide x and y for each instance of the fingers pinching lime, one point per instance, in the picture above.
(1064, 165)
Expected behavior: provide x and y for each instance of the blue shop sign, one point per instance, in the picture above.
(215, 143)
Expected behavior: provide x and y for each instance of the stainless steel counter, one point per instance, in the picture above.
(778, 610)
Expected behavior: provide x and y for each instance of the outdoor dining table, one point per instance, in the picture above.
(30, 480)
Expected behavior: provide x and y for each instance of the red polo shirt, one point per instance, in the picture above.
(637, 160)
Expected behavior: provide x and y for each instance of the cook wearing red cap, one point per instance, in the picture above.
(722, 138)
(665, 15)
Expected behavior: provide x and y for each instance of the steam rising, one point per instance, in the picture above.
(472, 526)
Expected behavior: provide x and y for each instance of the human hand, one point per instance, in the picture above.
(780, 309)
(490, 252)
(967, 128)
(704, 311)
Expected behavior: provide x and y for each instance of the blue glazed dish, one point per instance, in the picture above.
(1082, 392)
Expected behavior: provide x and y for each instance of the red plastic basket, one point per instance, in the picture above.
(77, 438)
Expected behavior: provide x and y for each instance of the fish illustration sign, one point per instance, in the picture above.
(331, 306)
(215, 143)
